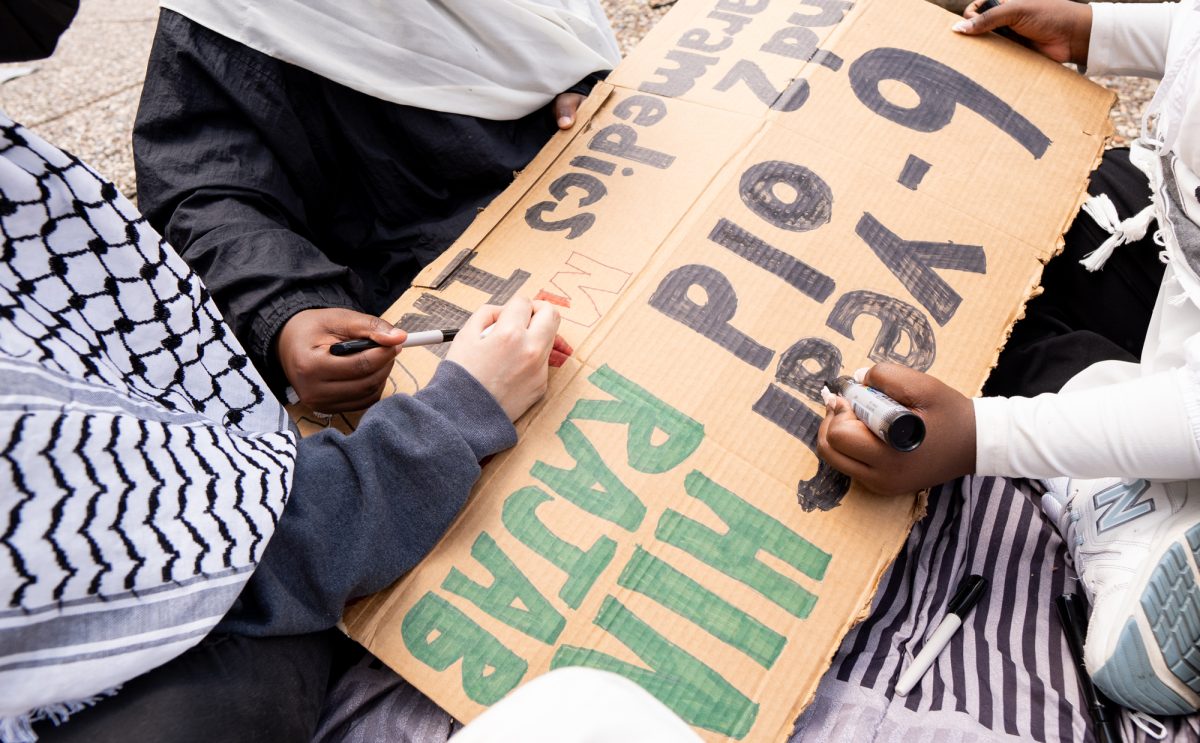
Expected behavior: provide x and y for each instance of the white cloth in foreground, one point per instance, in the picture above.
(496, 59)
(578, 705)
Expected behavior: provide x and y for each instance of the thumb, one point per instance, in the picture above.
(904, 385)
(981, 23)
(565, 106)
(360, 325)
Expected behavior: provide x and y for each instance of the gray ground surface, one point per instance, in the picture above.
(84, 98)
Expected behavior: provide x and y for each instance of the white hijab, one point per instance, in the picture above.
(495, 59)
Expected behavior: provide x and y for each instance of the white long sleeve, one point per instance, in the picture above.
(1131, 39)
(1114, 419)
(1138, 428)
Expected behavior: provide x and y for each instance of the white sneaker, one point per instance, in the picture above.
(1136, 545)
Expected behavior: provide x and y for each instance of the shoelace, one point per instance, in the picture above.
(1149, 725)
(1071, 517)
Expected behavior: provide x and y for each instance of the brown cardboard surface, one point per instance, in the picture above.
(839, 184)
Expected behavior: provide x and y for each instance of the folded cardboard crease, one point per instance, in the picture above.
(727, 239)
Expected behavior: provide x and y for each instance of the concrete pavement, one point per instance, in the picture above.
(84, 98)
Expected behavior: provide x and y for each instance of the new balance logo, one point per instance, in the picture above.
(1121, 504)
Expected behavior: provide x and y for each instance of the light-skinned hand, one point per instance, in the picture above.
(948, 452)
(1058, 29)
(512, 360)
(335, 384)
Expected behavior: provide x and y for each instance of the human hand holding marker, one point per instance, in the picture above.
(330, 383)
(1058, 29)
(947, 452)
(512, 360)
(558, 353)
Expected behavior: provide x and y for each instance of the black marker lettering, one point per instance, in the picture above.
(811, 207)
(433, 312)
(593, 190)
(734, 22)
(913, 173)
(790, 99)
(797, 42)
(825, 489)
(620, 140)
(794, 366)
(696, 39)
(575, 226)
(650, 110)
(941, 90)
(594, 164)
(809, 281)
(829, 13)
(913, 261)
(689, 67)
(710, 319)
(898, 320)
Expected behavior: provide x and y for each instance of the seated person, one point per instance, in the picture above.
(173, 558)
(1112, 358)
(308, 158)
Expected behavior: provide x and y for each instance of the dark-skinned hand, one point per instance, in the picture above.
(948, 452)
(334, 384)
(1058, 29)
(565, 107)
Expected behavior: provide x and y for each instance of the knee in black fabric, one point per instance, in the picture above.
(229, 688)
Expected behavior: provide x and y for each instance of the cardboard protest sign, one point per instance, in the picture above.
(765, 194)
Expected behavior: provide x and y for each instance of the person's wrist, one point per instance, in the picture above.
(1081, 33)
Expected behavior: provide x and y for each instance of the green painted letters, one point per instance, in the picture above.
(612, 501)
(582, 568)
(652, 577)
(694, 691)
(643, 413)
(535, 616)
(438, 635)
(735, 553)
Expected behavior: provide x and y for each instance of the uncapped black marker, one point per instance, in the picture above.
(888, 419)
(419, 338)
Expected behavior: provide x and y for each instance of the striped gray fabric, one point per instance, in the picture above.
(1006, 675)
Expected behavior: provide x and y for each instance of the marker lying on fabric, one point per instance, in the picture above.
(888, 419)
(417, 338)
(967, 595)
(1106, 721)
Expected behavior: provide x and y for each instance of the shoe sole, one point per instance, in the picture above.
(1154, 665)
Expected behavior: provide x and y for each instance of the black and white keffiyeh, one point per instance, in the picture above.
(143, 464)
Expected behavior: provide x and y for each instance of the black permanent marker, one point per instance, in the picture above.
(418, 338)
(888, 419)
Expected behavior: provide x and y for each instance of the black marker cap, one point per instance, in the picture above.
(987, 5)
(906, 432)
(967, 595)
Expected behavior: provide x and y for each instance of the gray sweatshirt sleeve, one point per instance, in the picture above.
(365, 508)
